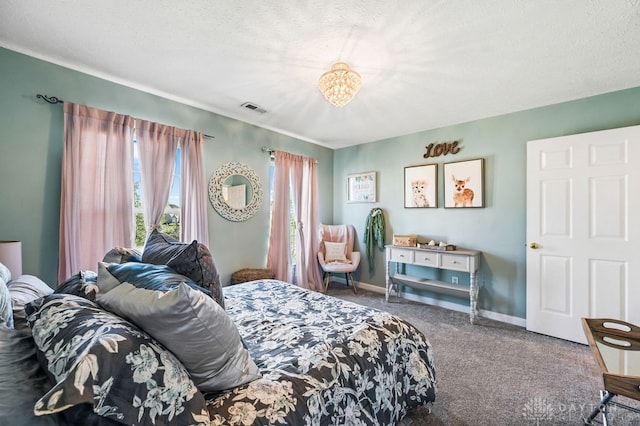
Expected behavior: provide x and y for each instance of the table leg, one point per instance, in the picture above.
(473, 297)
(605, 399)
(387, 279)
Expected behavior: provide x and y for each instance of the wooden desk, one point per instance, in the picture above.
(616, 346)
(456, 260)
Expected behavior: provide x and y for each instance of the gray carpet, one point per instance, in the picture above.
(493, 373)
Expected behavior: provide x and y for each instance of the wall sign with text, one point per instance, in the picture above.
(361, 188)
(444, 148)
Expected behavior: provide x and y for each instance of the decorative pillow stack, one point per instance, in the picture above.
(180, 315)
(192, 260)
(97, 358)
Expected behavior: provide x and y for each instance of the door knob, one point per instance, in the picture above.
(534, 245)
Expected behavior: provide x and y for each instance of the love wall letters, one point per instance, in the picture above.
(438, 149)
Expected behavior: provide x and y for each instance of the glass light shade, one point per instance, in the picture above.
(340, 84)
(11, 257)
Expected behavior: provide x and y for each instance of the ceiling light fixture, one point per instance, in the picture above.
(340, 84)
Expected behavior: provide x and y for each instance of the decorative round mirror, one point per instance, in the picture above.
(235, 192)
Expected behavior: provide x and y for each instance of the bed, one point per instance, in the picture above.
(323, 360)
(118, 347)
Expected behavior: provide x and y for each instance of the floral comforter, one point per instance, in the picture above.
(323, 361)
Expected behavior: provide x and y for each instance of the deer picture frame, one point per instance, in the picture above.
(464, 184)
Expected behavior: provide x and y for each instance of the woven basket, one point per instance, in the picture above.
(249, 274)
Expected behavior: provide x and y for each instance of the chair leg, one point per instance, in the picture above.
(353, 284)
(327, 278)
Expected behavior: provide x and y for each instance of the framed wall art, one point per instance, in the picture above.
(420, 186)
(361, 188)
(464, 184)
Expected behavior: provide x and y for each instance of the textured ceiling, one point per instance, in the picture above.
(424, 63)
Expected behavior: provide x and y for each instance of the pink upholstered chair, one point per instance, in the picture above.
(336, 253)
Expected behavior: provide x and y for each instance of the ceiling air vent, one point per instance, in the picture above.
(253, 107)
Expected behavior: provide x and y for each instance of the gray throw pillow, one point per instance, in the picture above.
(23, 290)
(26, 288)
(193, 260)
(155, 277)
(188, 323)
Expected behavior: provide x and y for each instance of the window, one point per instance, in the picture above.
(170, 222)
(292, 216)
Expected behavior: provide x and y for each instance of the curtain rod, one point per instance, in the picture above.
(271, 151)
(55, 100)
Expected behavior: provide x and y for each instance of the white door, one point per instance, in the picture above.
(583, 231)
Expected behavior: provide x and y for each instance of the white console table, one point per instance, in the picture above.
(454, 260)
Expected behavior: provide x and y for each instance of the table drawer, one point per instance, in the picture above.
(425, 258)
(456, 263)
(401, 255)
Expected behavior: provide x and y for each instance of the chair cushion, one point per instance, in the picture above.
(338, 267)
(335, 252)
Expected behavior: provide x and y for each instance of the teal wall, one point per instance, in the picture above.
(498, 230)
(31, 154)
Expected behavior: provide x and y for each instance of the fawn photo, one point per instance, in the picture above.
(463, 184)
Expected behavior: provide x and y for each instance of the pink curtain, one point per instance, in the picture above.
(296, 174)
(279, 252)
(157, 146)
(193, 191)
(96, 206)
(311, 223)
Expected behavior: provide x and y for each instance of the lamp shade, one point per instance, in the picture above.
(11, 256)
(340, 84)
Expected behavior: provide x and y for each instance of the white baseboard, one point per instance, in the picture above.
(509, 319)
(496, 316)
